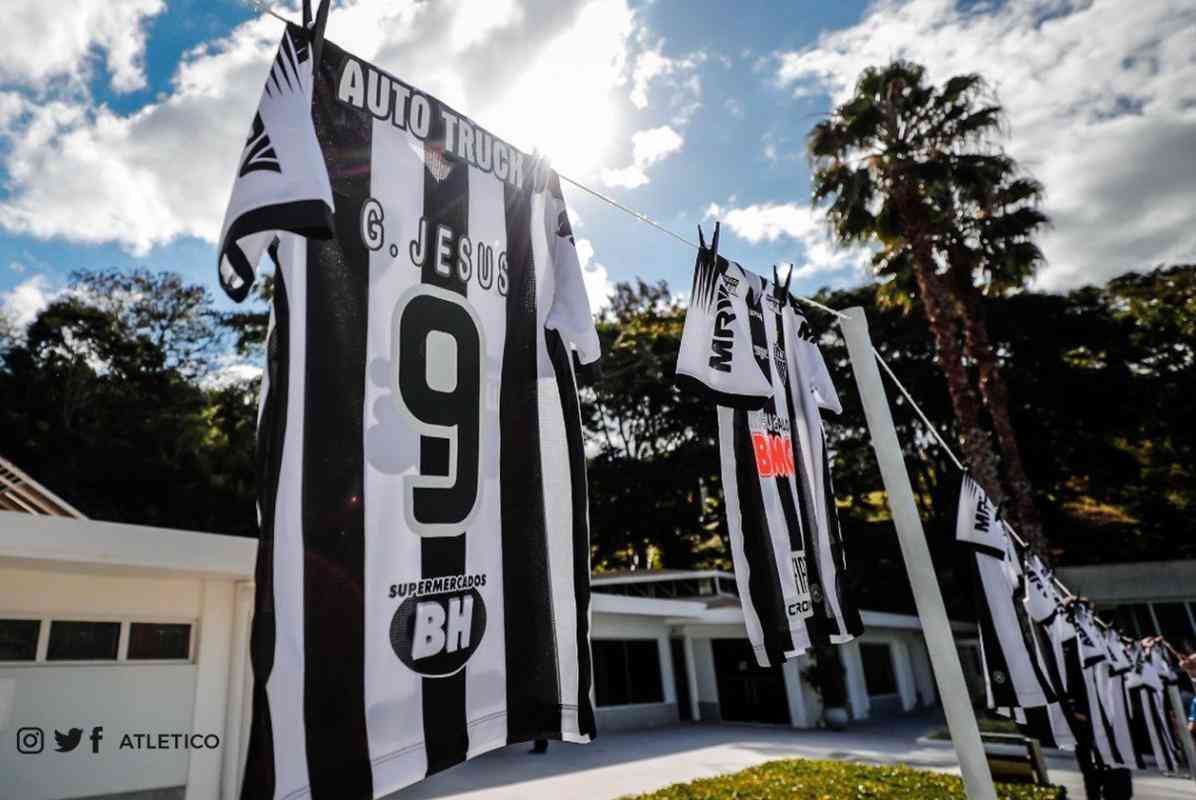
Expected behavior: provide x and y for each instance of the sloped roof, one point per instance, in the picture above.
(21, 493)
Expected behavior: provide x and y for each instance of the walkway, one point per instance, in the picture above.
(621, 764)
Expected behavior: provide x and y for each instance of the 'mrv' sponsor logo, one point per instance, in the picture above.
(724, 337)
(774, 454)
(435, 635)
(983, 516)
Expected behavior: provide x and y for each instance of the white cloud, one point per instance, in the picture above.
(598, 285)
(647, 148)
(21, 304)
(1101, 98)
(770, 222)
(734, 107)
(59, 41)
(542, 73)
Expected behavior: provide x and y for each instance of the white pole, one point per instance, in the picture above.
(1177, 717)
(957, 705)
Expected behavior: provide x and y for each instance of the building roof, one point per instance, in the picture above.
(21, 493)
(642, 575)
(1133, 582)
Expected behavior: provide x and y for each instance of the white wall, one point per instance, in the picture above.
(62, 593)
(120, 697)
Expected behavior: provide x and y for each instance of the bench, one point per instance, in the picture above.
(1014, 758)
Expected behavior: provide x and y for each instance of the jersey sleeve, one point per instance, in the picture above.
(815, 373)
(281, 182)
(716, 358)
(570, 314)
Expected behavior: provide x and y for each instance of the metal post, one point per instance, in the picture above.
(948, 673)
(1177, 717)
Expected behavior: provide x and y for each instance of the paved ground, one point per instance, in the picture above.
(616, 765)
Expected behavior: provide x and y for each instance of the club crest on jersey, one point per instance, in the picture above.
(435, 634)
(778, 360)
(438, 166)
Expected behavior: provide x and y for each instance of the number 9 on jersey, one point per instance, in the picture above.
(439, 371)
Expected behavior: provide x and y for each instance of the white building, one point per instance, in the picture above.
(137, 630)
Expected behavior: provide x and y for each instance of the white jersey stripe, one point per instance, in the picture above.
(394, 710)
(558, 485)
(285, 686)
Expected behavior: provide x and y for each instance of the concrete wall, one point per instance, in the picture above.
(624, 627)
(120, 697)
(635, 717)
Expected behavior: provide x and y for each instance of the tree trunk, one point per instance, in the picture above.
(978, 454)
(1024, 514)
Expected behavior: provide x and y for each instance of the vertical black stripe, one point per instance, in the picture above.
(562, 365)
(801, 529)
(259, 778)
(446, 731)
(851, 623)
(533, 686)
(764, 587)
(333, 464)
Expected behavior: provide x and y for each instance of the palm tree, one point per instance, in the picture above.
(914, 170)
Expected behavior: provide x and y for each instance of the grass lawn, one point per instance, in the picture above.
(804, 779)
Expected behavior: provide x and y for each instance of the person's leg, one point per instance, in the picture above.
(1119, 784)
(540, 747)
(1086, 759)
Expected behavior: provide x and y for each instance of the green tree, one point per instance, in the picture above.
(914, 170)
(653, 467)
(108, 398)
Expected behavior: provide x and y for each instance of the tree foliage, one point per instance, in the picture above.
(1103, 380)
(916, 171)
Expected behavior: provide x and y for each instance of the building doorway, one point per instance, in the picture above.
(748, 692)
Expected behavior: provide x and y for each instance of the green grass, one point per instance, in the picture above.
(803, 779)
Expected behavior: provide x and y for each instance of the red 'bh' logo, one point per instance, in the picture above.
(774, 454)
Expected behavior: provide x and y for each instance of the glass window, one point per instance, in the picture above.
(627, 672)
(18, 639)
(878, 668)
(83, 641)
(159, 640)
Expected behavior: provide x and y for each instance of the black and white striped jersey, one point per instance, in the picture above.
(748, 348)
(1014, 677)
(423, 574)
(1041, 602)
(1146, 688)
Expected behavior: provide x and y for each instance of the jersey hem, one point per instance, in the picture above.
(744, 402)
(475, 750)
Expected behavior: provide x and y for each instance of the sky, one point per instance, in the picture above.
(122, 121)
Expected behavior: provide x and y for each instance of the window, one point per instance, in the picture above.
(878, 668)
(18, 639)
(627, 672)
(83, 641)
(159, 640)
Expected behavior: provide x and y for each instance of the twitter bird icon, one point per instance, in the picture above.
(66, 742)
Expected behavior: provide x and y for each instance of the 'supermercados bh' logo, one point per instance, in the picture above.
(435, 633)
